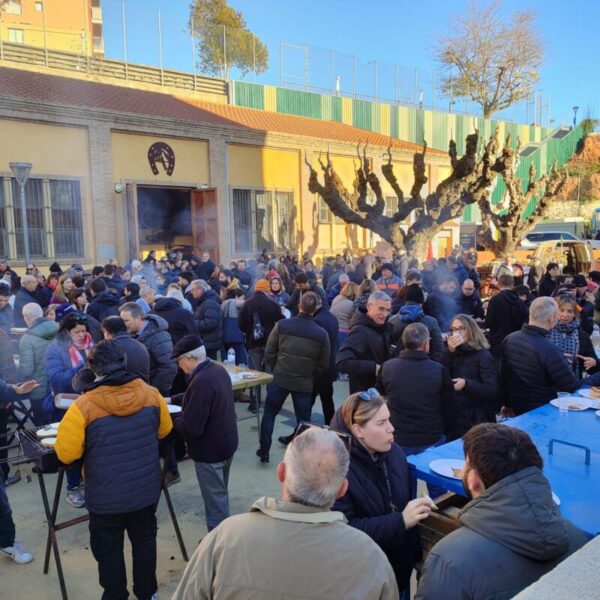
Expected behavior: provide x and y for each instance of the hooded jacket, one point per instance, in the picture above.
(506, 313)
(105, 304)
(209, 321)
(366, 504)
(180, 321)
(115, 427)
(512, 535)
(366, 346)
(155, 336)
(258, 308)
(413, 313)
(32, 353)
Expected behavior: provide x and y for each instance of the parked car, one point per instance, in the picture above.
(578, 254)
(534, 238)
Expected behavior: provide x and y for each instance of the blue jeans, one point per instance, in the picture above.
(276, 396)
(7, 525)
(73, 473)
(434, 490)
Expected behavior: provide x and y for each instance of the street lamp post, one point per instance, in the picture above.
(21, 172)
(575, 109)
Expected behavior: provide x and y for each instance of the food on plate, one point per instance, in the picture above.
(574, 406)
(458, 473)
(595, 391)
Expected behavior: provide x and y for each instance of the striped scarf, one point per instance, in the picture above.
(565, 336)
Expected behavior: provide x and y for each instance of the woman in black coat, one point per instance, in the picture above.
(378, 497)
(474, 373)
(568, 336)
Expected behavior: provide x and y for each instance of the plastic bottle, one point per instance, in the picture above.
(231, 356)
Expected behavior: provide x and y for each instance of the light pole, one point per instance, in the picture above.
(575, 109)
(21, 172)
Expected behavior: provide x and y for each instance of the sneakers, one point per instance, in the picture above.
(285, 440)
(75, 498)
(264, 456)
(17, 553)
(171, 478)
(14, 478)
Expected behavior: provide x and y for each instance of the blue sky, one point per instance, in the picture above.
(390, 32)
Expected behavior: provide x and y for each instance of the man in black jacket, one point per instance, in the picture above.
(532, 369)
(506, 313)
(367, 346)
(256, 321)
(138, 360)
(180, 320)
(24, 296)
(470, 302)
(297, 352)
(104, 303)
(512, 531)
(151, 331)
(302, 285)
(208, 424)
(207, 316)
(441, 303)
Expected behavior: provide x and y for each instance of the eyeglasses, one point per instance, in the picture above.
(458, 329)
(305, 426)
(81, 320)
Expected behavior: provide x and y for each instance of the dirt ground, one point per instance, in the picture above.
(248, 480)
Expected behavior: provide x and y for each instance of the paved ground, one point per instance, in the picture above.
(248, 480)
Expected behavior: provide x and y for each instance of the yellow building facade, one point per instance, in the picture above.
(66, 25)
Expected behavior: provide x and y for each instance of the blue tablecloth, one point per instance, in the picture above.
(575, 483)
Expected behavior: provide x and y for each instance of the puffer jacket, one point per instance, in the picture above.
(260, 308)
(105, 304)
(22, 297)
(512, 535)
(533, 370)
(58, 367)
(413, 313)
(366, 346)
(366, 504)
(418, 390)
(155, 336)
(180, 321)
(477, 401)
(293, 304)
(32, 353)
(115, 427)
(209, 321)
(296, 351)
(343, 308)
(506, 313)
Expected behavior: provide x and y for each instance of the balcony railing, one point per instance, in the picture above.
(99, 45)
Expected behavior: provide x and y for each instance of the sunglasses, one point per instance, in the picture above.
(305, 426)
(369, 395)
(81, 320)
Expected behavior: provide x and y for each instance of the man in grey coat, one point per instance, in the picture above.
(32, 353)
(512, 531)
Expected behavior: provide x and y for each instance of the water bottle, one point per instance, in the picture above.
(231, 356)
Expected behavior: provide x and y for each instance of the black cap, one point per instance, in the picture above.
(414, 293)
(388, 266)
(187, 344)
(580, 281)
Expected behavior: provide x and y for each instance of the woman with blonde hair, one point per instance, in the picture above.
(342, 308)
(366, 288)
(61, 293)
(474, 374)
(568, 336)
(378, 500)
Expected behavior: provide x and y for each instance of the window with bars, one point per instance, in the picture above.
(261, 219)
(325, 213)
(54, 218)
(391, 206)
(13, 7)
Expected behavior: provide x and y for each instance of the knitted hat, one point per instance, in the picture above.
(388, 266)
(414, 294)
(580, 281)
(262, 285)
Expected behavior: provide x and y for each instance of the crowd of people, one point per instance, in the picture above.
(426, 357)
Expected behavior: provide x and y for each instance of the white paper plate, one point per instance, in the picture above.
(173, 408)
(572, 402)
(49, 442)
(48, 431)
(598, 413)
(556, 499)
(444, 467)
(587, 393)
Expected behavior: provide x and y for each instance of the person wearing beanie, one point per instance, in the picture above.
(389, 282)
(208, 424)
(262, 285)
(303, 284)
(412, 312)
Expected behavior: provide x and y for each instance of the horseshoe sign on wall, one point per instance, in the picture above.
(161, 153)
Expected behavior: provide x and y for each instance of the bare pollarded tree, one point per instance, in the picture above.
(470, 182)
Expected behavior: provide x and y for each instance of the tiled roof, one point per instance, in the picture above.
(65, 91)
